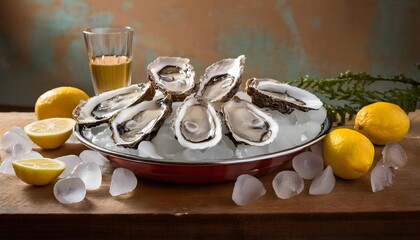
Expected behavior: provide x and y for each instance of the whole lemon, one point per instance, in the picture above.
(59, 102)
(348, 152)
(382, 122)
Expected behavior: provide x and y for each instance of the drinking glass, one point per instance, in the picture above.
(109, 50)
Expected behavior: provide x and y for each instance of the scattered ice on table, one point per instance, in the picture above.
(323, 183)
(10, 139)
(70, 190)
(317, 148)
(73, 139)
(96, 157)
(71, 162)
(394, 155)
(19, 150)
(19, 131)
(247, 189)
(147, 149)
(381, 177)
(90, 173)
(287, 184)
(122, 181)
(244, 151)
(6, 166)
(167, 143)
(308, 165)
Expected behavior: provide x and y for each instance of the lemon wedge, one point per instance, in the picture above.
(38, 171)
(50, 133)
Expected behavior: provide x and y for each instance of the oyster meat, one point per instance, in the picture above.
(196, 124)
(248, 123)
(138, 122)
(222, 79)
(172, 75)
(279, 96)
(101, 108)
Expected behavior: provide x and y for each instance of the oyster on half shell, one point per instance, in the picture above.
(172, 75)
(222, 79)
(248, 124)
(138, 122)
(196, 124)
(279, 96)
(101, 108)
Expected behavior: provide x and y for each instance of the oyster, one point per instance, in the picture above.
(138, 122)
(279, 96)
(101, 108)
(248, 123)
(196, 124)
(222, 79)
(172, 75)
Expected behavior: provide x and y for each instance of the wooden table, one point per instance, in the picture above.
(161, 210)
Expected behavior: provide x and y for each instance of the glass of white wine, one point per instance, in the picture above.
(109, 51)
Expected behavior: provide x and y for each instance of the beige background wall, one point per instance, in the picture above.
(42, 46)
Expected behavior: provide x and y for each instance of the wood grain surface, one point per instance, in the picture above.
(164, 211)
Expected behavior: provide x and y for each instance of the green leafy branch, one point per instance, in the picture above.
(354, 91)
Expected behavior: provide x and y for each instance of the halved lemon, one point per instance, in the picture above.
(50, 133)
(38, 171)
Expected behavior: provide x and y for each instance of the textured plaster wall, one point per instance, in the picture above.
(42, 46)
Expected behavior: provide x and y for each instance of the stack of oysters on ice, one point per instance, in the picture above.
(135, 113)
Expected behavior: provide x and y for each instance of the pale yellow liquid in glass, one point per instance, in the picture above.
(110, 72)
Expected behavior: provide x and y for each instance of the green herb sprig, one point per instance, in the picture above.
(352, 92)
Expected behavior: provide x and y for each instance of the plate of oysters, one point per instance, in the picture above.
(172, 129)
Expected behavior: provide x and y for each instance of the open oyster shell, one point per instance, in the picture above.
(101, 108)
(279, 96)
(196, 124)
(222, 79)
(172, 75)
(138, 122)
(248, 124)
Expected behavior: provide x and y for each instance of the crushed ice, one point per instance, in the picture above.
(297, 128)
(247, 189)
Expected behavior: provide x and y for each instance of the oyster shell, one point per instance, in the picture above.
(138, 122)
(279, 96)
(248, 123)
(101, 108)
(196, 124)
(172, 75)
(222, 79)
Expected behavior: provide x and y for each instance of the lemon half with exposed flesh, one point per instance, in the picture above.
(50, 133)
(38, 171)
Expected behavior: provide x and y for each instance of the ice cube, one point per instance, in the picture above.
(94, 156)
(247, 189)
(281, 142)
(147, 149)
(381, 177)
(90, 173)
(287, 184)
(70, 190)
(167, 143)
(309, 131)
(323, 183)
(122, 181)
(280, 118)
(71, 162)
(6, 166)
(193, 155)
(10, 139)
(317, 148)
(308, 165)
(394, 155)
(244, 151)
(19, 150)
(19, 131)
(72, 139)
